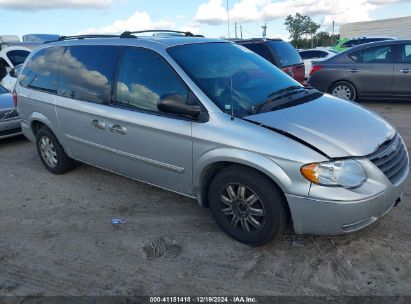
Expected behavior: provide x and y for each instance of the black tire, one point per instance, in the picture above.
(63, 162)
(270, 200)
(344, 87)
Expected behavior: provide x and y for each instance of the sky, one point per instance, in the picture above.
(207, 17)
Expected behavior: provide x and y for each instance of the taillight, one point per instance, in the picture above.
(15, 98)
(289, 71)
(315, 68)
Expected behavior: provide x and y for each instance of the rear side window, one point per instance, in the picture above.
(145, 77)
(381, 54)
(86, 72)
(17, 56)
(286, 53)
(41, 72)
(259, 49)
(405, 52)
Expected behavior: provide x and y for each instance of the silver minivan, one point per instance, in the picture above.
(212, 120)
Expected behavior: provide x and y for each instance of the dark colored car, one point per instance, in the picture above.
(280, 53)
(374, 70)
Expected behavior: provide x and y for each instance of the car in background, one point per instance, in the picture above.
(10, 79)
(9, 118)
(10, 57)
(374, 70)
(280, 53)
(317, 54)
(40, 37)
(7, 40)
(345, 43)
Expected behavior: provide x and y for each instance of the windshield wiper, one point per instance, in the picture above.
(279, 94)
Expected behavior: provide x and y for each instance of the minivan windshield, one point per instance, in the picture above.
(233, 77)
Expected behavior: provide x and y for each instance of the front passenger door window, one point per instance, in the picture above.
(145, 77)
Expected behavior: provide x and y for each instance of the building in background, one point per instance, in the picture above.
(395, 27)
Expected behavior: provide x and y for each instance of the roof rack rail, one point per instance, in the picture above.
(85, 36)
(128, 34)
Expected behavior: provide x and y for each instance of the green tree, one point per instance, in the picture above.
(299, 26)
(312, 29)
(296, 27)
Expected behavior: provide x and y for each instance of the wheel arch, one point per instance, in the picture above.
(213, 162)
(36, 120)
(343, 80)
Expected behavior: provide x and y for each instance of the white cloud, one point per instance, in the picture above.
(341, 11)
(53, 4)
(137, 21)
(212, 13)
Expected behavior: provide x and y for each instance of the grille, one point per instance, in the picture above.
(391, 158)
(8, 114)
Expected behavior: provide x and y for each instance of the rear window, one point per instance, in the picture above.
(17, 56)
(41, 72)
(286, 53)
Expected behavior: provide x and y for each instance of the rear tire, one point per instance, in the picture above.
(247, 205)
(343, 90)
(51, 153)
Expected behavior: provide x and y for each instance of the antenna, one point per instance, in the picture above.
(241, 31)
(264, 27)
(228, 21)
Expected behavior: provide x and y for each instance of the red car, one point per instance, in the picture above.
(280, 53)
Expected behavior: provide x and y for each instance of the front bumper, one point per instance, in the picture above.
(345, 214)
(9, 128)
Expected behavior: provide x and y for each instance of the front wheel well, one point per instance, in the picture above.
(211, 170)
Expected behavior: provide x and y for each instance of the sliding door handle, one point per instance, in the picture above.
(99, 124)
(118, 129)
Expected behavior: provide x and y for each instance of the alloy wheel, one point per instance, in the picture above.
(48, 152)
(242, 207)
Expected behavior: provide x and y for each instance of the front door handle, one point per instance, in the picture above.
(99, 124)
(118, 129)
(353, 70)
(405, 71)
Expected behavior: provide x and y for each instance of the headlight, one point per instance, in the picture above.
(344, 173)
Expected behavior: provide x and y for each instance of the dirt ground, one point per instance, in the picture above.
(57, 239)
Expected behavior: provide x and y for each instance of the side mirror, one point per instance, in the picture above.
(174, 104)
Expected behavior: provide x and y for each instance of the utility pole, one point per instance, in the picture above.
(235, 26)
(228, 21)
(332, 36)
(241, 31)
(264, 27)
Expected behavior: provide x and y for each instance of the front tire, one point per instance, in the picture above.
(343, 90)
(52, 153)
(247, 205)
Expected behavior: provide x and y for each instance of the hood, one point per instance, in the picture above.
(6, 101)
(336, 127)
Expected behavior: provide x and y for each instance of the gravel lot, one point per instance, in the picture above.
(57, 239)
